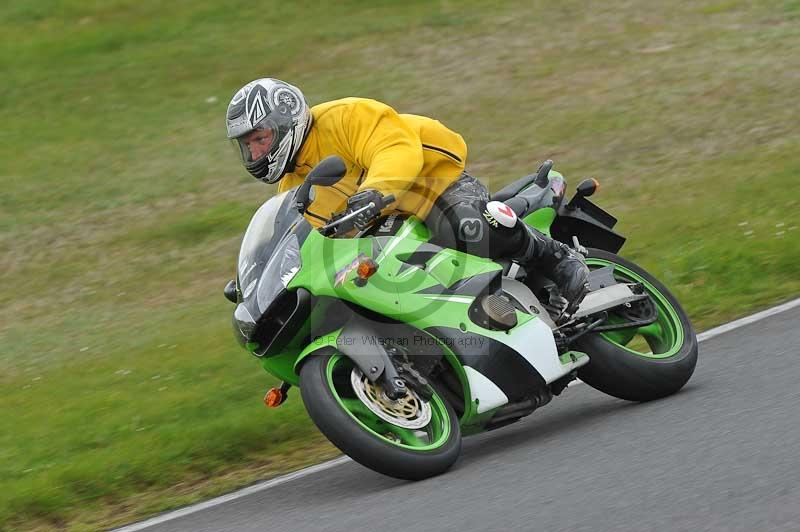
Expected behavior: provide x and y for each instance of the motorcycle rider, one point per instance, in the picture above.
(280, 139)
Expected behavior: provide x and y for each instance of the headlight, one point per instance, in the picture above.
(283, 265)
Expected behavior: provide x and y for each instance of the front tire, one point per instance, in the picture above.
(328, 386)
(645, 363)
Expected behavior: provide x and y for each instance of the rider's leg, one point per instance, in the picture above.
(461, 220)
(556, 261)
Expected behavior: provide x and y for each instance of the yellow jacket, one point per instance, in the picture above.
(413, 157)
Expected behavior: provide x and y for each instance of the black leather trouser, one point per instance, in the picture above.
(459, 220)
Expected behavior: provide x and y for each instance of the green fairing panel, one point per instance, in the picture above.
(417, 229)
(330, 257)
(449, 266)
(281, 363)
(282, 366)
(325, 341)
(393, 291)
(541, 219)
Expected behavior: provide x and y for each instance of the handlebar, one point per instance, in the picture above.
(343, 221)
(387, 200)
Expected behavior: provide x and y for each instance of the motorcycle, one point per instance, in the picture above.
(400, 347)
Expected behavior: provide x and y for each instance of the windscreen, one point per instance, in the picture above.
(267, 227)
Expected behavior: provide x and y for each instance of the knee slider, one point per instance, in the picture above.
(499, 215)
(506, 231)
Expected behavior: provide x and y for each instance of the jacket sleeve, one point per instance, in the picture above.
(385, 145)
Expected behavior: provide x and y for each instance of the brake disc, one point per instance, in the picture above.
(409, 411)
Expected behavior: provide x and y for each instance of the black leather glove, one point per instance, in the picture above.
(362, 199)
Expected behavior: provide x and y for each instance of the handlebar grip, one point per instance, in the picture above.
(388, 200)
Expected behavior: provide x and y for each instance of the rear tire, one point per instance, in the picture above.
(618, 369)
(348, 423)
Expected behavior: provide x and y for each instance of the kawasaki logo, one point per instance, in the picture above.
(386, 227)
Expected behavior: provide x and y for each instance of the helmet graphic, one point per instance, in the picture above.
(268, 121)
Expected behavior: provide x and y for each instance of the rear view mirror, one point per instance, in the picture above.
(230, 291)
(330, 170)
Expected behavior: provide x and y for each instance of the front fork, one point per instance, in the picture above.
(359, 341)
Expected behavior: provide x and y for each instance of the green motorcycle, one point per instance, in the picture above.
(400, 347)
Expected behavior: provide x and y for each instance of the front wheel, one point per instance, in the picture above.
(410, 438)
(640, 363)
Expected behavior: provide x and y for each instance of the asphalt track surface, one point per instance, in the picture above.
(723, 454)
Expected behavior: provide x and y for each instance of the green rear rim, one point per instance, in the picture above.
(432, 436)
(661, 339)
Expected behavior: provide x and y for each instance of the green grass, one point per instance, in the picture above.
(122, 390)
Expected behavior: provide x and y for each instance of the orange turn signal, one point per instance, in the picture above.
(274, 398)
(367, 268)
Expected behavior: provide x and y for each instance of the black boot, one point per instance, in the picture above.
(558, 262)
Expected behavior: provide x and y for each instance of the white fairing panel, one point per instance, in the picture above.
(535, 342)
(489, 396)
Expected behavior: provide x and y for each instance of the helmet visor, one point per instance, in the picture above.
(256, 144)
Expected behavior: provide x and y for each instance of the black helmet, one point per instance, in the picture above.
(268, 121)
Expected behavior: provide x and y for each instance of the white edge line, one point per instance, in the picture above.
(261, 486)
(244, 492)
(747, 320)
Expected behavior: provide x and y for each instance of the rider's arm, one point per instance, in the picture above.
(385, 145)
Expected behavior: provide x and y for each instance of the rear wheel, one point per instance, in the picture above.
(410, 438)
(640, 363)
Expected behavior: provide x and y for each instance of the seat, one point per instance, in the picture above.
(524, 200)
(513, 188)
(518, 204)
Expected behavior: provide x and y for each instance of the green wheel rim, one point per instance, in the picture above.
(664, 337)
(432, 436)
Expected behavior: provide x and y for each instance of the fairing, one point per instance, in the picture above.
(268, 260)
(426, 288)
